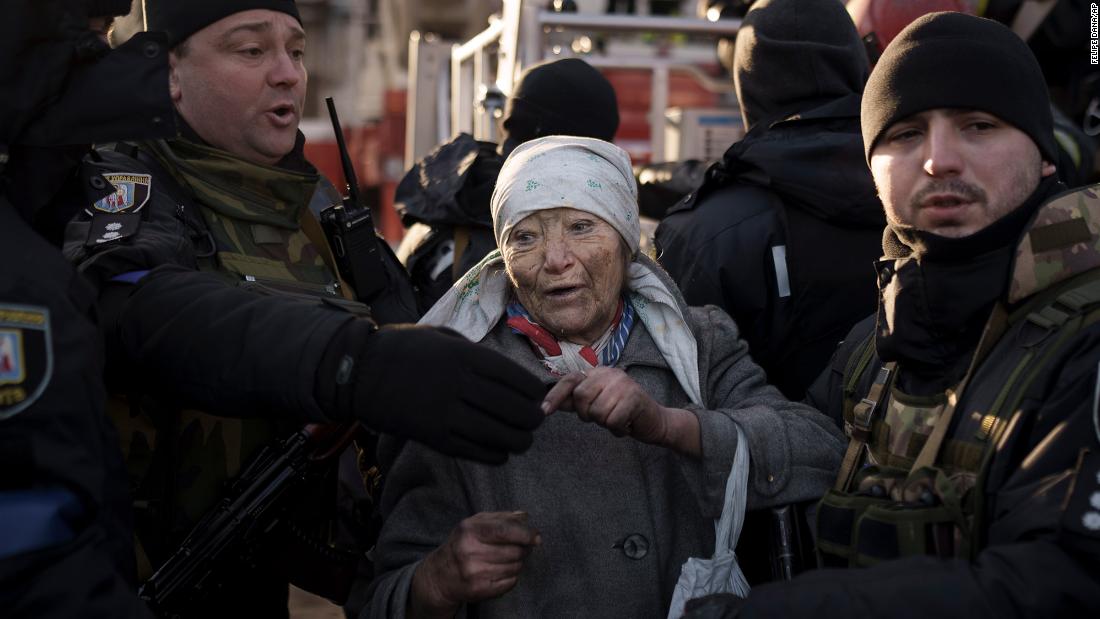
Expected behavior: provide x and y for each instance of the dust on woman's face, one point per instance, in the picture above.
(568, 268)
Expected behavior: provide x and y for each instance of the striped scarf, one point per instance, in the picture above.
(561, 357)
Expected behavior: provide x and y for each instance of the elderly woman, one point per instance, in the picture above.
(596, 518)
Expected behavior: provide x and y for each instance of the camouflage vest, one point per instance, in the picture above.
(251, 215)
(914, 478)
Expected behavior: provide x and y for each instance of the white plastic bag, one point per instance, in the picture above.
(720, 574)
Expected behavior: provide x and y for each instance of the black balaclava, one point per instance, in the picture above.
(563, 97)
(936, 293)
(954, 60)
(64, 89)
(182, 18)
(794, 55)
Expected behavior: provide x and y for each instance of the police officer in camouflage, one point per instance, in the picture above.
(971, 485)
(226, 324)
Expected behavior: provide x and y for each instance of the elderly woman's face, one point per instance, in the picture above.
(568, 268)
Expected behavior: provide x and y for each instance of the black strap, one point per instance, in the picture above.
(859, 430)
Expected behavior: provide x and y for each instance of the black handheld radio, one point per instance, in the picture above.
(363, 258)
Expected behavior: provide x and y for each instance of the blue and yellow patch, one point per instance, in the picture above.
(26, 360)
(131, 193)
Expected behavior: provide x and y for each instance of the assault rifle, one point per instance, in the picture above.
(240, 527)
(775, 544)
(363, 258)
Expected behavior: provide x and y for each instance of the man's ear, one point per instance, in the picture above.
(1047, 169)
(173, 78)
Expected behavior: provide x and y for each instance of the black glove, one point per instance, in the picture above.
(433, 386)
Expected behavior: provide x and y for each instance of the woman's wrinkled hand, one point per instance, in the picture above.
(481, 559)
(610, 398)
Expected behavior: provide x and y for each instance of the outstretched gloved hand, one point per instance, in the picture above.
(433, 386)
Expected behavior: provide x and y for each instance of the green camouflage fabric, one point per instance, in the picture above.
(888, 497)
(906, 424)
(901, 434)
(252, 213)
(1063, 240)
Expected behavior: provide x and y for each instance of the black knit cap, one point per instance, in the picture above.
(182, 18)
(563, 97)
(954, 60)
(794, 55)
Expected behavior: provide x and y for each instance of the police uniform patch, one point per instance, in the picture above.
(26, 360)
(110, 227)
(131, 193)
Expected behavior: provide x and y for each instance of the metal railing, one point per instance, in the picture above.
(517, 38)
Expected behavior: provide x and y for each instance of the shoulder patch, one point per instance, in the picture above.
(107, 228)
(26, 358)
(131, 192)
(1062, 241)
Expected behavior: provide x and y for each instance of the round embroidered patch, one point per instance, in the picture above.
(26, 357)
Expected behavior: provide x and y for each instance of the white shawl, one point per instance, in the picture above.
(588, 175)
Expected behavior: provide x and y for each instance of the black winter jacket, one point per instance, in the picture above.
(783, 234)
(1039, 548)
(1033, 565)
(168, 332)
(57, 446)
(179, 338)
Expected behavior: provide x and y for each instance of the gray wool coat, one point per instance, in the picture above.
(617, 517)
